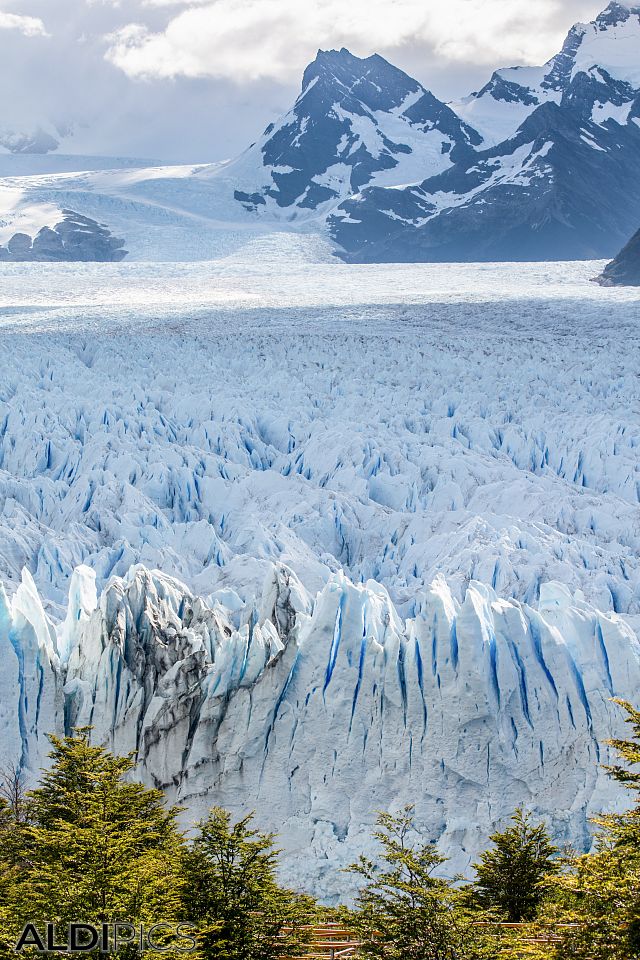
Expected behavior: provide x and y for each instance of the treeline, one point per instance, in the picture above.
(90, 848)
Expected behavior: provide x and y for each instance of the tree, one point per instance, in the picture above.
(600, 892)
(13, 791)
(405, 912)
(510, 877)
(6, 879)
(94, 847)
(232, 893)
(624, 829)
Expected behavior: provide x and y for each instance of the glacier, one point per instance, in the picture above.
(316, 539)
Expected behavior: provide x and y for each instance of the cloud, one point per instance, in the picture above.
(248, 40)
(29, 26)
(174, 3)
(198, 80)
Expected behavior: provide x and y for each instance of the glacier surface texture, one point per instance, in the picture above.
(318, 539)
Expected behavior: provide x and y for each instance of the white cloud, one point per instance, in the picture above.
(174, 3)
(29, 26)
(150, 3)
(224, 69)
(247, 40)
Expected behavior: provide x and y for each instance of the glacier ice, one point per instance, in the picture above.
(316, 549)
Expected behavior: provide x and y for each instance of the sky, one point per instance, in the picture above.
(198, 80)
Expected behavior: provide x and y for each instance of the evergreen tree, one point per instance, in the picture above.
(94, 847)
(510, 877)
(624, 829)
(600, 893)
(404, 912)
(6, 879)
(232, 893)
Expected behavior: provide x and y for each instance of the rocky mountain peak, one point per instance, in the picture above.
(616, 13)
(371, 80)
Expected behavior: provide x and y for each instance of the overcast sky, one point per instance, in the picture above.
(200, 79)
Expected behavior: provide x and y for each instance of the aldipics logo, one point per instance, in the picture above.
(107, 937)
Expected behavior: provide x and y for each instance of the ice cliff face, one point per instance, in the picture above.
(319, 711)
(31, 700)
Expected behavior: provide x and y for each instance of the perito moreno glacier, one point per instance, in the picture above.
(323, 547)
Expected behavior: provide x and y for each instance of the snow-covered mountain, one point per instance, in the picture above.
(356, 122)
(555, 174)
(605, 51)
(38, 140)
(71, 237)
(540, 164)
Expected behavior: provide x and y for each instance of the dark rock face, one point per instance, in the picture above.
(624, 271)
(75, 238)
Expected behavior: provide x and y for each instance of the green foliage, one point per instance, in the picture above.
(93, 847)
(232, 893)
(510, 877)
(600, 892)
(624, 830)
(6, 880)
(404, 911)
(629, 750)
(599, 897)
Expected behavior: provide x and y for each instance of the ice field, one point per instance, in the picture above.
(394, 512)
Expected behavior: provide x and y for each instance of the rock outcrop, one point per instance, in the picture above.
(74, 238)
(624, 270)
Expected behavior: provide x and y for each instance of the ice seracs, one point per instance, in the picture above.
(311, 576)
(317, 712)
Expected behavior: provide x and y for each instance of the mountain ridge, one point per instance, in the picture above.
(571, 206)
(539, 164)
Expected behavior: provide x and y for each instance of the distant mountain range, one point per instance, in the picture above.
(540, 164)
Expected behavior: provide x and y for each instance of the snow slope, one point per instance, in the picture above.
(398, 536)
